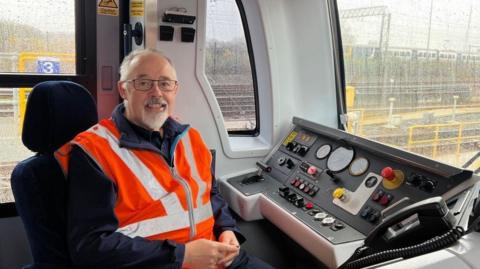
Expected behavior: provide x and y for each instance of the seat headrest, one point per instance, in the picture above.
(56, 112)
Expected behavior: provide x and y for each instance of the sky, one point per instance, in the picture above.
(223, 20)
(455, 24)
(46, 15)
(409, 24)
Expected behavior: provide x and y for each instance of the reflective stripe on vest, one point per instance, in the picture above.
(164, 224)
(176, 217)
(202, 186)
(155, 190)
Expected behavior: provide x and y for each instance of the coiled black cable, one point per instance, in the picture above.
(433, 244)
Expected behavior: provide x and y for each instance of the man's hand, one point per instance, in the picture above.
(228, 237)
(202, 253)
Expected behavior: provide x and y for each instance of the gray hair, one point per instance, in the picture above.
(127, 61)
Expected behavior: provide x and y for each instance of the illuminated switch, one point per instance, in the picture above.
(309, 205)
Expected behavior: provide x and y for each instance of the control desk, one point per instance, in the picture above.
(328, 189)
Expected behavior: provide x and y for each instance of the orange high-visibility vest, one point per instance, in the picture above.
(154, 200)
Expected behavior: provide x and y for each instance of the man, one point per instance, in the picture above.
(141, 193)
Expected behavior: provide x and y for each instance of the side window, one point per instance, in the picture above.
(421, 91)
(37, 37)
(229, 66)
(38, 42)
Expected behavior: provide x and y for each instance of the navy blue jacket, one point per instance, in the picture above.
(92, 239)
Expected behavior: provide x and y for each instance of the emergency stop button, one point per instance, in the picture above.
(392, 178)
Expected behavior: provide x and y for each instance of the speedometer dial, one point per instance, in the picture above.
(323, 151)
(340, 158)
(358, 166)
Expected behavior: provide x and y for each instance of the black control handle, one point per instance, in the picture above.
(129, 33)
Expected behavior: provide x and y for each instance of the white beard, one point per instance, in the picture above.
(155, 121)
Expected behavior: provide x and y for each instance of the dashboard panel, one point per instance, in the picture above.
(338, 186)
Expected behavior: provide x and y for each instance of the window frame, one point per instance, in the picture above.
(339, 65)
(254, 132)
(86, 75)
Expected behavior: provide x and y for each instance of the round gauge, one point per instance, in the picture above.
(323, 151)
(339, 159)
(358, 166)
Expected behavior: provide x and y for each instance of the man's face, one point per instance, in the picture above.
(148, 109)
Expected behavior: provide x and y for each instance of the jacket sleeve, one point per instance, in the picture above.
(223, 218)
(91, 227)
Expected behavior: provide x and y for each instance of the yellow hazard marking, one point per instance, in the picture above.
(107, 3)
(290, 137)
(107, 7)
(136, 9)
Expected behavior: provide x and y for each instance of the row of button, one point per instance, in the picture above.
(370, 214)
(318, 215)
(304, 186)
(294, 198)
(286, 161)
(309, 169)
(422, 182)
(382, 197)
(297, 148)
(326, 220)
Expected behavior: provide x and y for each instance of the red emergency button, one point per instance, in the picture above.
(387, 173)
(309, 205)
(385, 200)
(312, 170)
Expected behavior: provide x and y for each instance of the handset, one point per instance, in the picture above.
(422, 221)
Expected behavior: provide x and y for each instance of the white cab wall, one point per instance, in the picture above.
(300, 53)
(107, 63)
(293, 56)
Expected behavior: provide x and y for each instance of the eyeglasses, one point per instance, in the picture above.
(144, 84)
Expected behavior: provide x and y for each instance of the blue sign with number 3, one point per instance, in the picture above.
(48, 66)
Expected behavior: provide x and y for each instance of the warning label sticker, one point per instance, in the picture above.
(107, 7)
(136, 9)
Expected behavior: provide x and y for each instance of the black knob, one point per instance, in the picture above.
(290, 164)
(302, 151)
(428, 185)
(291, 145)
(365, 212)
(299, 202)
(281, 161)
(284, 191)
(292, 197)
(374, 216)
(332, 176)
(297, 148)
(414, 179)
